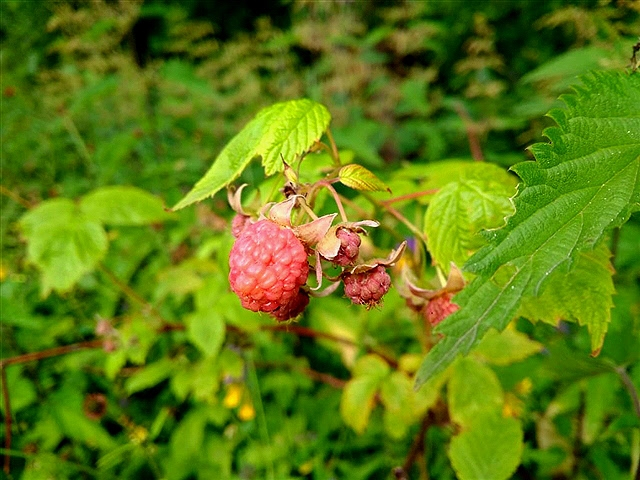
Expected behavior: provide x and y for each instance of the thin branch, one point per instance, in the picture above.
(631, 388)
(51, 352)
(472, 132)
(336, 197)
(15, 197)
(409, 196)
(417, 447)
(334, 148)
(7, 420)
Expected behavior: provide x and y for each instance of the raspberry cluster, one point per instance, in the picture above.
(269, 261)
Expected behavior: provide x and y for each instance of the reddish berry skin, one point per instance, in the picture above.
(239, 223)
(292, 309)
(349, 247)
(367, 288)
(268, 265)
(439, 308)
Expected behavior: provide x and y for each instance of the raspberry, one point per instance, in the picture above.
(439, 308)
(292, 309)
(349, 247)
(268, 265)
(239, 223)
(367, 288)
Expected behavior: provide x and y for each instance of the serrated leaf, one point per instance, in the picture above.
(507, 347)
(359, 178)
(62, 242)
(585, 181)
(358, 396)
(205, 329)
(473, 389)
(490, 450)
(460, 210)
(282, 130)
(584, 294)
(122, 205)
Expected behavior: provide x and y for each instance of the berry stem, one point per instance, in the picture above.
(335, 155)
(336, 197)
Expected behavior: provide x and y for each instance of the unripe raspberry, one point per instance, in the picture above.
(268, 265)
(439, 308)
(239, 223)
(292, 309)
(367, 288)
(349, 247)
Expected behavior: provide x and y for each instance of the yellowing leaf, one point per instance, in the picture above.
(359, 178)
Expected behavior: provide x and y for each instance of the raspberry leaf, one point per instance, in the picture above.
(582, 295)
(282, 130)
(584, 182)
(461, 209)
(62, 242)
(122, 205)
(359, 178)
(490, 449)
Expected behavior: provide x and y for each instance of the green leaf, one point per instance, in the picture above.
(282, 130)
(121, 205)
(359, 178)
(584, 294)
(490, 450)
(473, 389)
(206, 329)
(507, 347)
(62, 242)
(461, 209)
(358, 396)
(397, 396)
(149, 376)
(584, 182)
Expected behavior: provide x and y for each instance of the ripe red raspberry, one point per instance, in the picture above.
(439, 308)
(239, 223)
(268, 265)
(367, 288)
(292, 309)
(349, 247)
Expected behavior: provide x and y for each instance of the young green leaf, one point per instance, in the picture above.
(585, 181)
(282, 130)
(584, 294)
(62, 242)
(357, 401)
(359, 178)
(461, 209)
(122, 205)
(489, 450)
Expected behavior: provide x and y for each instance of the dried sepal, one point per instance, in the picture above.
(391, 259)
(234, 196)
(329, 246)
(455, 283)
(314, 232)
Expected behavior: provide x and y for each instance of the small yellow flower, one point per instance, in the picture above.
(524, 386)
(233, 396)
(4, 273)
(246, 412)
(138, 435)
(513, 406)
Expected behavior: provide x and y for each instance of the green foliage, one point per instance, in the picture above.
(582, 183)
(125, 353)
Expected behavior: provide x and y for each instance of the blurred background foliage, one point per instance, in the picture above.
(146, 93)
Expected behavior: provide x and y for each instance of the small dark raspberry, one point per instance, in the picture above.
(367, 288)
(268, 265)
(239, 223)
(439, 308)
(292, 309)
(349, 247)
